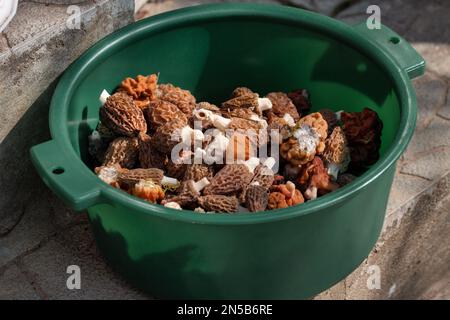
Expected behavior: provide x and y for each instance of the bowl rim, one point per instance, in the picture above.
(339, 30)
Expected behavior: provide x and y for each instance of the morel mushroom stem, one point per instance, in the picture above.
(269, 162)
(289, 120)
(169, 182)
(217, 121)
(264, 104)
(201, 184)
(311, 193)
(104, 96)
(252, 163)
(173, 205)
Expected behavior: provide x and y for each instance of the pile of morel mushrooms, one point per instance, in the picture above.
(249, 154)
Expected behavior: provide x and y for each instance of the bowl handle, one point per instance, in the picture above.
(395, 46)
(78, 188)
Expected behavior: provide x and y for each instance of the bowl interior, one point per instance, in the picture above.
(211, 58)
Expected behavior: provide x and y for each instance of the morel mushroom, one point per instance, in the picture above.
(122, 151)
(121, 115)
(173, 205)
(129, 178)
(159, 112)
(316, 121)
(314, 177)
(148, 190)
(218, 203)
(300, 98)
(282, 105)
(183, 99)
(142, 89)
(284, 195)
(172, 133)
(263, 176)
(363, 132)
(149, 156)
(302, 147)
(232, 178)
(337, 153)
(244, 98)
(256, 198)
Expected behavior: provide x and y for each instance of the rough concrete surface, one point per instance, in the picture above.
(40, 236)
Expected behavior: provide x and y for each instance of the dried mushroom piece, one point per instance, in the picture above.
(122, 151)
(232, 178)
(263, 176)
(159, 112)
(121, 115)
(337, 153)
(129, 178)
(240, 113)
(149, 156)
(148, 190)
(244, 98)
(278, 128)
(183, 99)
(284, 195)
(109, 174)
(300, 98)
(281, 105)
(363, 132)
(168, 136)
(314, 177)
(218, 203)
(257, 198)
(302, 147)
(142, 89)
(241, 91)
(173, 205)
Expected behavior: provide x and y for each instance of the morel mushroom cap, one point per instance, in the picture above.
(168, 136)
(315, 178)
(337, 153)
(278, 128)
(199, 117)
(231, 179)
(241, 91)
(142, 89)
(363, 132)
(121, 115)
(219, 203)
(300, 98)
(131, 177)
(244, 101)
(149, 157)
(160, 112)
(284, 195)
(302, 147)
(257, 198)
(148, 190)
(281, 105)
(122, 151)
(189, 192)
(183, 99)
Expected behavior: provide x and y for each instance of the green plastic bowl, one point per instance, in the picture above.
(290, 253)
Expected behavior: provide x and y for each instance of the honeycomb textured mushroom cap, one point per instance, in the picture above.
(122, 151)
(336, 149)
(168, 136)
(197, 172)
(183, 99)
(230, 180)
(219, 203)
(159, 112)
(257, 198)
(149, 157)
(131, 177)
(244, 101)
(281, 105)
(121, 115)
